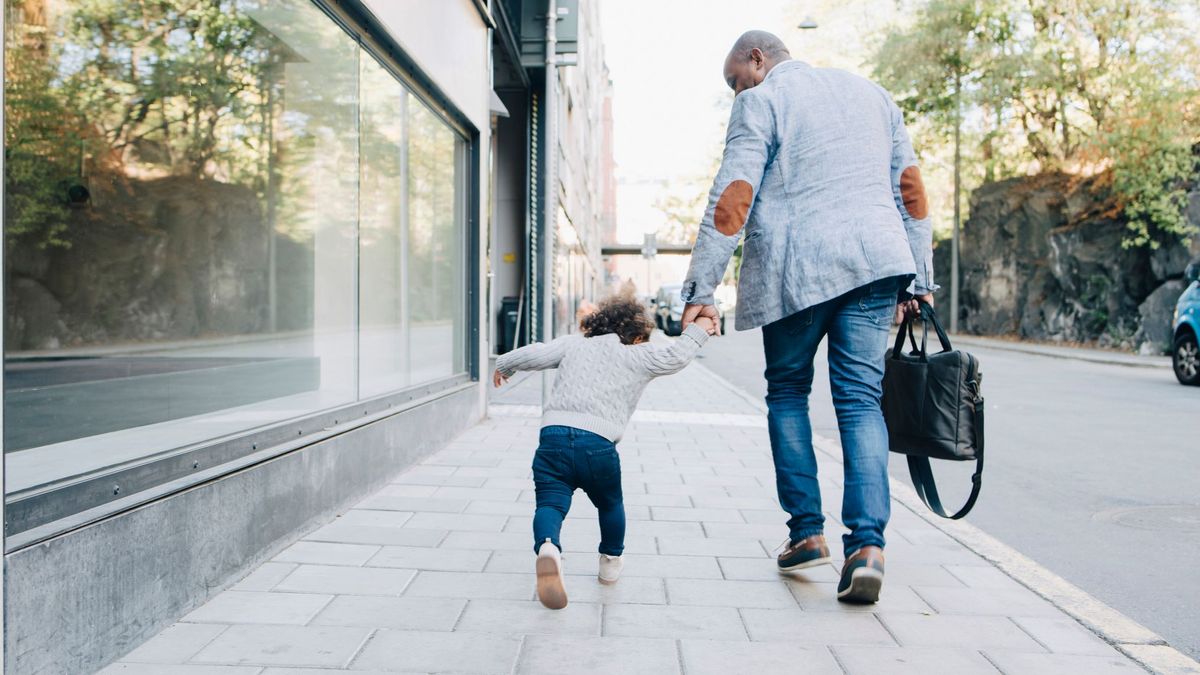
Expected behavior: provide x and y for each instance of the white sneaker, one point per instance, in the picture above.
(550, 587)
(610, 568)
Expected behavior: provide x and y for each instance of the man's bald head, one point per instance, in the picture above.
(754, 54)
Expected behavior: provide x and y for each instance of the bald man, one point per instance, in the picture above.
(820, 184)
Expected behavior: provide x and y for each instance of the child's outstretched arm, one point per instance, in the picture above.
(537, 356)
(667, 359)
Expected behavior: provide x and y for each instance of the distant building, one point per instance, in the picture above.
(566, 232)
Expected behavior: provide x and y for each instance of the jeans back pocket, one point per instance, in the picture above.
(603, 463)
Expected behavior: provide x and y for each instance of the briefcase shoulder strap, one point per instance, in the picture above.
(922, 475)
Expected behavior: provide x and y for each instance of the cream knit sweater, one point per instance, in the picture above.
(599, 379)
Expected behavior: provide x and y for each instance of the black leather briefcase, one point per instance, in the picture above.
(933, 407)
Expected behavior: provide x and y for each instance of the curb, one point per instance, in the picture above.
(1139, 643)
(1066, 353)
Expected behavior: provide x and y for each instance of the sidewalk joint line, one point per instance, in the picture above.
(745, 626)
(361, 647)
(1033, 637)
(888, 628)
(679, 656)
(991, 662)
(461, 613)
(837, 659)
(332, 597)
(516, 666)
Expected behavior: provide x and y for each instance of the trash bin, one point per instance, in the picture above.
(509, 307)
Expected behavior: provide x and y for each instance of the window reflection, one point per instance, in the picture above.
(411, 246)
(185, 211)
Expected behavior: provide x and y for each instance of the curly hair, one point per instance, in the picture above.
(621, 314)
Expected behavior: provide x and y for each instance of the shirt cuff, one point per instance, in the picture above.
(689, 295)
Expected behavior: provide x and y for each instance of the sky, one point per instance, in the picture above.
(670, 102)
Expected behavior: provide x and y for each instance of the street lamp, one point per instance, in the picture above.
(808, 23)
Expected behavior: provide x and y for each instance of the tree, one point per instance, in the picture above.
(1083, 86)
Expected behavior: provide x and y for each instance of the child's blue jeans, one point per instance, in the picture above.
(568, 458)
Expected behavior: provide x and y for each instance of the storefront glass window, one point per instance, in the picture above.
(219, 215)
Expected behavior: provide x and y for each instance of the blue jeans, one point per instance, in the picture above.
(857, 325)
(566, 459)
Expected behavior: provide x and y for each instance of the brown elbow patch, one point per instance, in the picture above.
(912, 191)
(729, 217)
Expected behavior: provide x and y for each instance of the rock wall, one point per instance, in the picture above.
(164, 259)
(1041, 258)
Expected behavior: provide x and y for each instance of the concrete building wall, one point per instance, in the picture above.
(449, 41)
(583, 175)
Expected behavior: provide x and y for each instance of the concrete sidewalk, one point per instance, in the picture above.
(434, 574)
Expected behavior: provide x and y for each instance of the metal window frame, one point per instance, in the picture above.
(48, 511)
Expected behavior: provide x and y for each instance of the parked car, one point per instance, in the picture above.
(668, 310)
(1185, 352)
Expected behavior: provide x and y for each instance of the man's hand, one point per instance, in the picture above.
(692, 312)
(498, 379)
(911, 309)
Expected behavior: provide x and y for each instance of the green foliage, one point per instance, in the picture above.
(39, 144)
(1153, 162)
(176, 88)
(681, 209)
(1081, 86)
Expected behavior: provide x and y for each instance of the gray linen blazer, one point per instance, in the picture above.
(820, 176)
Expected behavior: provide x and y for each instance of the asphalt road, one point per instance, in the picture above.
(1093, 471)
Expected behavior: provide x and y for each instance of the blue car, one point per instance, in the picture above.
(1185, 356)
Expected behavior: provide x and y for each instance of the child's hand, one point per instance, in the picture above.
(498, 379)
(707, 324)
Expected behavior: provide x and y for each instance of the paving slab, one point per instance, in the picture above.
(265, 577)
(809, 628)
(327, 553)
(674, 622)
(528, 617)
(176, 644)
(259, 607)
(470, 585)
(969, 632)
(315, 646)
(370, 611)
(912, 661)
(726, 593)
(1054, 664)
(124, 668)
(418, 558)
(545, 654)
(422, 651)
(335, 580)
(720, 657)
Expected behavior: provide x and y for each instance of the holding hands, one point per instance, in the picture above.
(693, 314)
(707, 324)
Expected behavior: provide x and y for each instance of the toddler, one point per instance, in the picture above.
(601, 374)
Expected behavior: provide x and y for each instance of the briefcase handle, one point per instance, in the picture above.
(928, 316)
